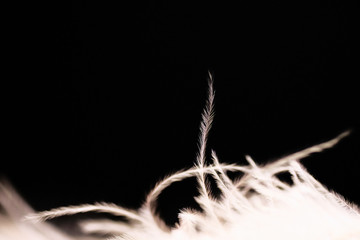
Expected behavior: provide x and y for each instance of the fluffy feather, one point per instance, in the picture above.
(257, 206)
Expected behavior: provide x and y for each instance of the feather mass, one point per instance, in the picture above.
(257, 206)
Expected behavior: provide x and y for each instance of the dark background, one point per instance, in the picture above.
(105, 98)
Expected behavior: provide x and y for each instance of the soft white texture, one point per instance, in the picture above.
(256, 206)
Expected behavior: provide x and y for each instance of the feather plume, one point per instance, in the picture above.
(257, 206)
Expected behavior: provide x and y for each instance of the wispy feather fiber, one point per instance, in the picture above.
(257, 206)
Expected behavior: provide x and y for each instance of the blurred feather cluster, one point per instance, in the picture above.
(259, 205)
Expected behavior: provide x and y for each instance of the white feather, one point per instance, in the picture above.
(257, 206)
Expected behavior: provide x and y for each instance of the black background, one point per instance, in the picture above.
(105, 98)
